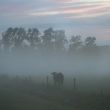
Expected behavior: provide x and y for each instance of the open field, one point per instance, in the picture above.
(24, 94)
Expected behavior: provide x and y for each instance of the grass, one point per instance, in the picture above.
(27, 95)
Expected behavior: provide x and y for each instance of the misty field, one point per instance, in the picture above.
(23, 93)
(50, 72)
(54, 54)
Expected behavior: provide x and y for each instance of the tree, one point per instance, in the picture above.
(47, 39)
(6, 38)
(90, 45)
(18, 37)
(90, 42)
(75, 43)
(59, 40)
(33, 37)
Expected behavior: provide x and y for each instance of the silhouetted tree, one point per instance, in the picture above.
(18, 37)
(75, 43)
(90, 41)
(6, 38)
(59, 40)
(50, 41)
(47, 39)
(90, 44)
(33, 37)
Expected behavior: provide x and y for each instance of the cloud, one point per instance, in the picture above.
(91, 12)
(43, 8)
(82, 10)
(11, 7)
(67, 1)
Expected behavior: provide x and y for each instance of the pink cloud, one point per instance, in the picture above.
(78, 11)
(67, 1)
(91, 12)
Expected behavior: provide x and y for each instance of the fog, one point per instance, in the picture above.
(52, 72)
(91, 71)
(44, 63)
(27, 51)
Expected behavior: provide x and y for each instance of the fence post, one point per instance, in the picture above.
(47, 81)
(74, 84)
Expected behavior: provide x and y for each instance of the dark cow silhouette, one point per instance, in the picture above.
(58, 79)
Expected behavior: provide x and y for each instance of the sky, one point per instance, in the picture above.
(77, 17)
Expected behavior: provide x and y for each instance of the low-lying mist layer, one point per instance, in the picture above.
(27, 52)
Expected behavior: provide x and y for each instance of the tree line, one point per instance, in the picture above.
(50, 40)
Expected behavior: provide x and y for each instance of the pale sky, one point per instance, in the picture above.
(84, 17)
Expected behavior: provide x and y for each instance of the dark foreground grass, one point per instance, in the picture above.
(27, 95)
